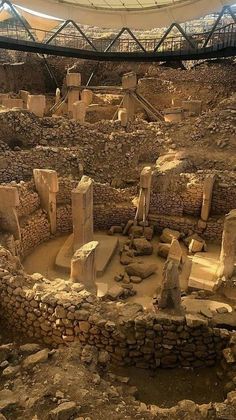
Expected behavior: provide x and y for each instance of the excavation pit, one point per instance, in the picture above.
(166, 388)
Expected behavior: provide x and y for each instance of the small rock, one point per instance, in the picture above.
(63, 412)
(136, 279)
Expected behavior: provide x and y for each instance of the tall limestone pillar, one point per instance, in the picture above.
(207, 197)
(228, 246)
(144, 194)
(82, 212)
(129, 85)
(46, 183)
(73, 82)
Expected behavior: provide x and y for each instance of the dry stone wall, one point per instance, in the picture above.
(35, 229)
(63, 312)
(19, 165)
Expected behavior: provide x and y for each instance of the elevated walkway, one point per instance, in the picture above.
(220, 42)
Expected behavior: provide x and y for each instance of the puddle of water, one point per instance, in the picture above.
(169, 386)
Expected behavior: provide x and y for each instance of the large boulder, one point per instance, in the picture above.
(142, 246)
(142, 270)
(168, 235)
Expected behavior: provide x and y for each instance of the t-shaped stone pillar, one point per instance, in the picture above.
(207, 197)
(73, 82)
(46, 183)
(228, 246)
(83, 266)
(129, 85)
(144, 194)
(82, 212)
(9, 200)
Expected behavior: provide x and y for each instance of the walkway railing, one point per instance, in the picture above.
(73, 43)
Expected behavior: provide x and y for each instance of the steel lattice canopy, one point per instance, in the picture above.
(135, 14)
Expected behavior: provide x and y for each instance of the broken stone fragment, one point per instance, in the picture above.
(169, 234)
(163, 250)
(195, 321)
(32, 360)
(229, 356)
(10, 371)
(127, 227)
(115, 229)
(29, 348)
(125, 259)
(115, 292)
(142, 246)
(142, 270)
(64, 411)
(118, 278)
(135, 279)
(139, 231)
(206, 312)
(197, 245)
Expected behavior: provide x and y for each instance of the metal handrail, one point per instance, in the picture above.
(224, 36)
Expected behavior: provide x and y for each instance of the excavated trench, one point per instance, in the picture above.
(165, 388)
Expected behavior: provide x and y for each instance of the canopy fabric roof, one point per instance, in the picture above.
(4, 15)
(35, 21)
(135, 14)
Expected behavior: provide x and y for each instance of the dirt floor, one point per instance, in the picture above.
(42, 260)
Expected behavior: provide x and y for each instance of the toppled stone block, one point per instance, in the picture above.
(142, 270)
(115, 292)
(39, 357)
(142, 246)
(163, 250)
(139, 231)
(195, 321)
(196, 246)
(168, 235)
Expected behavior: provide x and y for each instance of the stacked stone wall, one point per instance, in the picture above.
(223, 199)
(35, 229)
(62, 315)
(18, 166)
(187, 225)
(29, 199)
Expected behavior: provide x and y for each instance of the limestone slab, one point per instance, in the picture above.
(105, 250)
(204, 272)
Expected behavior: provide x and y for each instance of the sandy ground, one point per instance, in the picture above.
(42, 260)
